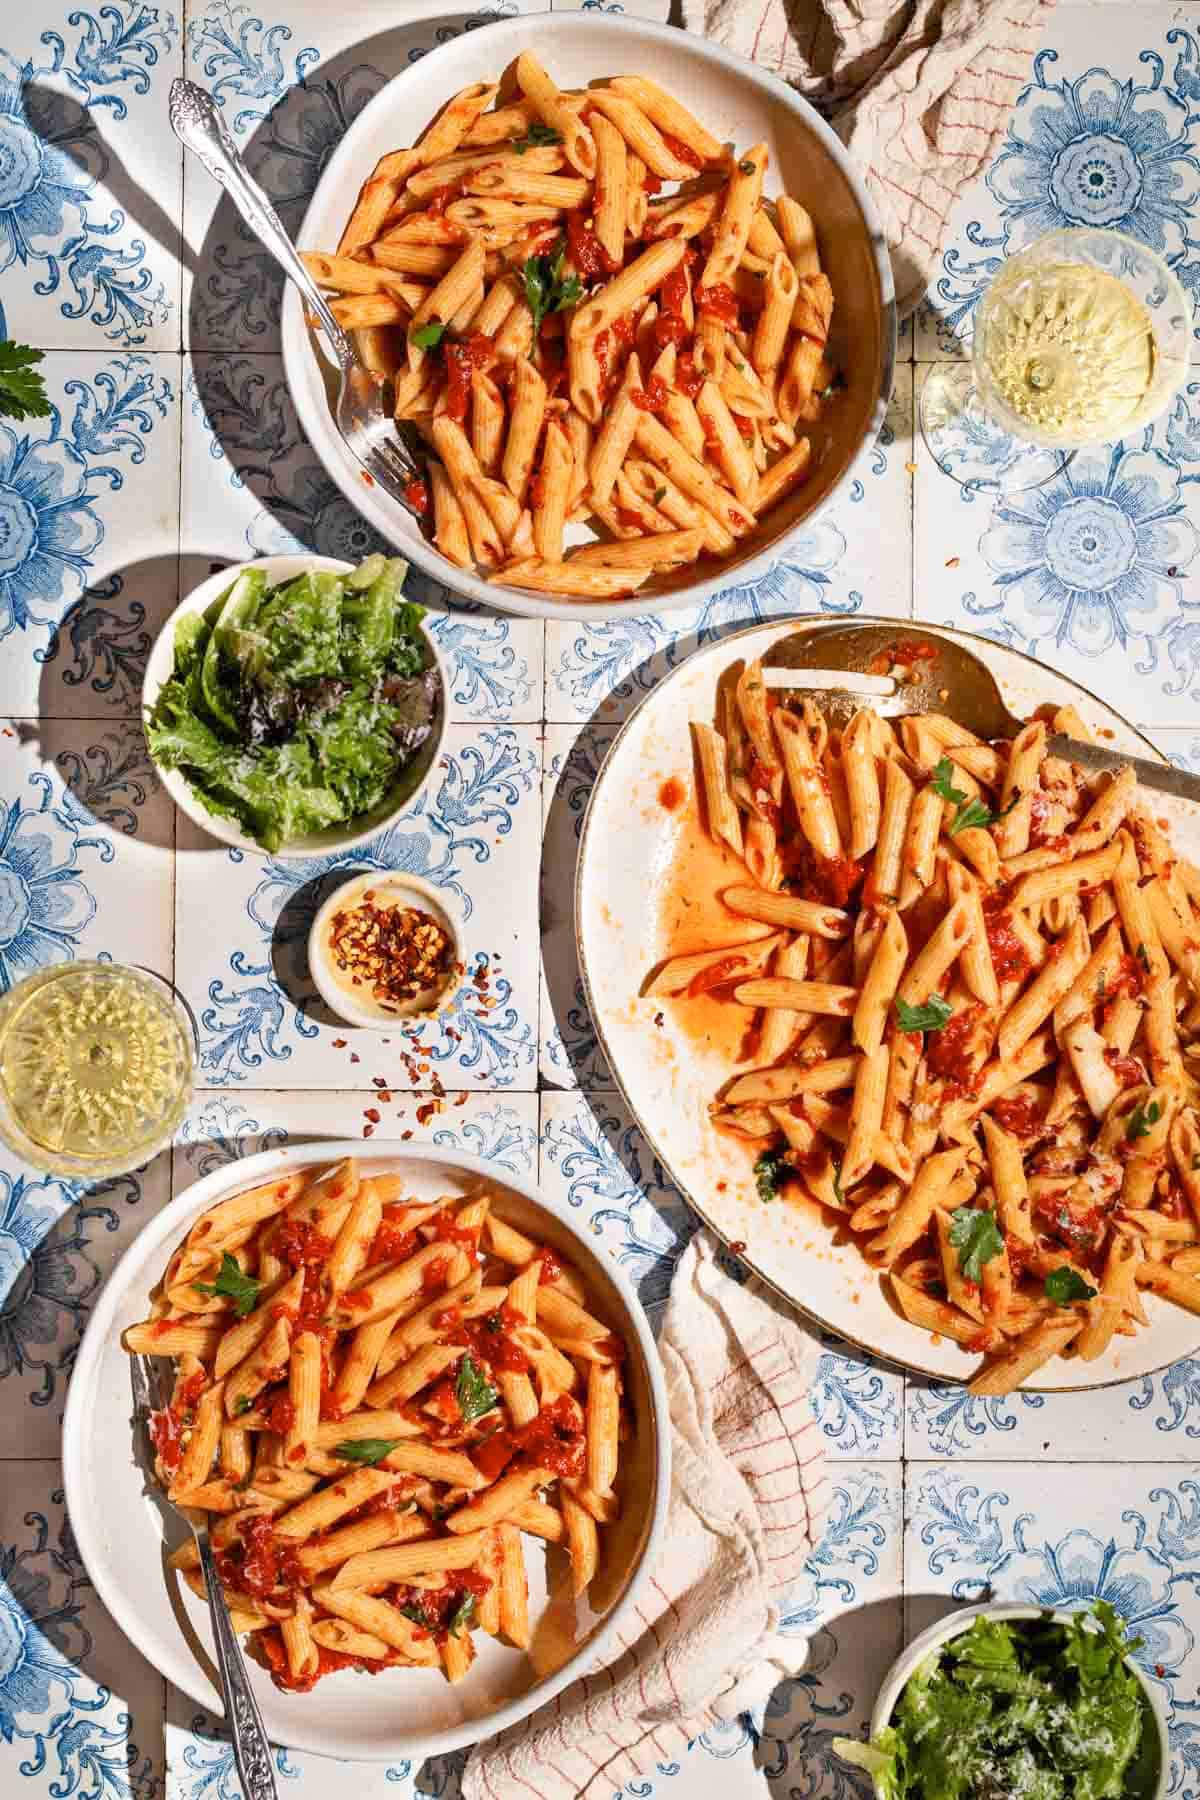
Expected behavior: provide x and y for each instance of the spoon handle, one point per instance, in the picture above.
(251, 1746)
(200, 128)
(1163, 777)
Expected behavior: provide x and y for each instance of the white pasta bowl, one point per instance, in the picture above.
(741, 103)
(399, 1713)
(409, 783)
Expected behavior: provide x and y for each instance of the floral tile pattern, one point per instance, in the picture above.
(473, 833)
(160, 464)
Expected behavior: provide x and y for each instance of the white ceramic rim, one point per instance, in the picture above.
(339, 1002)
(942, 1630)
(779, 628)
(160, 1231)
(311, 401)
(161, 661)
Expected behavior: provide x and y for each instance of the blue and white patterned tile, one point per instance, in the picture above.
(1062, 1538)
(290, 81)
(853, 557)
(90, 182)
(474, 833)
(80, 1711)
(1109, 144)
(1090, 572)
(59, 1240)
(220, 1127)
(1155, 1418)
(85, 835)
(849, 1606)
(89, 505)
(595, 1159)
(252, 486)
(570, 1052)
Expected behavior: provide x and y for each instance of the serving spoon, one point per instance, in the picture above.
(363, 415)
(838, 664)
(251, 1746)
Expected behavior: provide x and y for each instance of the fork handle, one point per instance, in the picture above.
(251, 1747)
(200, 128)
(1163, 777)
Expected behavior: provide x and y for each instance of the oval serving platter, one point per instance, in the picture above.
(669, 1058)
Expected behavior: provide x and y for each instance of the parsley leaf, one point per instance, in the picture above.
(768, 1173)
(976, 1237)
(660, 495)
(232, 1284)
(1063, 1285)
(837, 1185)
(242, 1406)
(22, 390)
(463, 1616)
(412, 1611)
(747, 166)
(546, 291)
(942, 783)
(935, 1013)
(426, 336)
(537, 136)
(975, 816)
(366, 1450)
(1143, 956)
(473, 1391)
(1141, 1119)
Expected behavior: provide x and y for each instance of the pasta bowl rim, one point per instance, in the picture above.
(146, 1255)
(306, 382)
(955, 1623)
(161, 661)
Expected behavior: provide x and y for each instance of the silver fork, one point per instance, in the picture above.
(251, 1747)
(363, 419)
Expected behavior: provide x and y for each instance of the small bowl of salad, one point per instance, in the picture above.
(295, 705)
(1003, 1702)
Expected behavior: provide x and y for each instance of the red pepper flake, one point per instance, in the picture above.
(372, 1113)
(368, 1131)
(738, 1247)
(355, 1057)
(339, 1043)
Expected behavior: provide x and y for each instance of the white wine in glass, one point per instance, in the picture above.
(96, 1067)
(1081, 339)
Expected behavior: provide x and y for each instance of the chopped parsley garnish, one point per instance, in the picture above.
(935, 1013)
(747, 166)
(768, 1173)
(1101, 985)
(1143, 956)
(977, 1238)
(837, 1184)
(1141, 1119)
(473, 1391)
(429, 334)
(232, 1283)
(970, 815)
(242, 1406)
(660, 495)
(537, 136)
(412, 1611)
(366, 1450)
(546, 288)
(1063, 1285)
(22, 390)
(463, 1616)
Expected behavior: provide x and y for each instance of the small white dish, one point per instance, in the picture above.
(941, 1632)
(399, 1713)
(412, 779)
(397, 890)
(742, 103)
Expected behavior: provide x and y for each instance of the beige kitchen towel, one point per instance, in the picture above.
(919, 91)
(748, 1497)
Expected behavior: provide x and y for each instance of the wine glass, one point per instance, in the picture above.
(1081, 339)
(96, 1067)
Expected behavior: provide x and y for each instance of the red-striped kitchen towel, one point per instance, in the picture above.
(748, 1498)
(920, 92)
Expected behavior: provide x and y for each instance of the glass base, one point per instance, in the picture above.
(971, 446)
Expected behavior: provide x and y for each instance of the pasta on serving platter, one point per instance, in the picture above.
(577, 345)
(973, 982)
(377, 1401)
